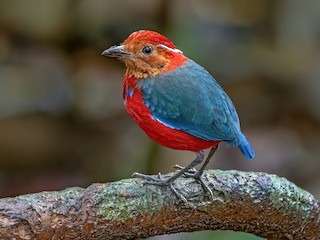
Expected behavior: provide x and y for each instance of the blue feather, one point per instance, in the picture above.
(130, 92)
(244, 146)
(246, 150)
(191, 100)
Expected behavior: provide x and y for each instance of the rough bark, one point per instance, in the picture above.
(257, 203)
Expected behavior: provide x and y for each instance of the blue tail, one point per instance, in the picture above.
(245, 147)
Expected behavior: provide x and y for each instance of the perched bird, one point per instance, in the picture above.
(176, 102)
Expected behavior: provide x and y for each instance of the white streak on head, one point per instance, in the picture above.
(170, 49)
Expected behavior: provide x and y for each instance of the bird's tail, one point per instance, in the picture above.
(245, 147)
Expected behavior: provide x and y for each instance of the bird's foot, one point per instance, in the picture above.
(159, 180)
(190, 173)
(194, 173)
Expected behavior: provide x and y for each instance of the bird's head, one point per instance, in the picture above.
(146, 54)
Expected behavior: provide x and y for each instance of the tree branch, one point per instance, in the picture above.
(257, 203)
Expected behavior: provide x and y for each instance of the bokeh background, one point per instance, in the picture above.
(62, 120)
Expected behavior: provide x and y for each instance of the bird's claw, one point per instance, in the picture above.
(190, 173)
(194, 173)
(150, 179)
(178, 195)
(159, 180)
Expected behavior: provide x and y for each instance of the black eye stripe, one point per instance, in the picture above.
(147, 50)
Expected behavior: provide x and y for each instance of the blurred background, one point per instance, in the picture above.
(62, 120)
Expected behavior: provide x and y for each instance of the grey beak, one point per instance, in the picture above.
(116, 51)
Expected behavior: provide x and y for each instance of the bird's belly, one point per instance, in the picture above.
(160, 133)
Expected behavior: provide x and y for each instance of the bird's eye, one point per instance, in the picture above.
(147, 50)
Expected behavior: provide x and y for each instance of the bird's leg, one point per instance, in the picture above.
(212, 151)
(192, 172)
(167, 182)
(159, 180)
(199, 159)
(196, 174)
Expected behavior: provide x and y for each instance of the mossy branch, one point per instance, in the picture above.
(257, 203)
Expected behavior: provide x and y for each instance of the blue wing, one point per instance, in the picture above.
(190, 99)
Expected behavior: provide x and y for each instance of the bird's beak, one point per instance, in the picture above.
(116, 51)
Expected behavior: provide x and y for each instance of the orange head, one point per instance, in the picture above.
(146, 54)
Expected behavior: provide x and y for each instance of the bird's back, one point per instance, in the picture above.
(190, 100)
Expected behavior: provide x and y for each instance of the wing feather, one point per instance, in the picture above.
(190, 99)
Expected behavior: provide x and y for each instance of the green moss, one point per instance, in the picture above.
(124, 200)
(289, 198)
(128, 201)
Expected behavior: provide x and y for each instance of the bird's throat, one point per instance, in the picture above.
(141, 69)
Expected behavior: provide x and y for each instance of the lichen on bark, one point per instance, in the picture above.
(258, 203)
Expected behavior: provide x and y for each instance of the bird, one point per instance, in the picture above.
(177, 103)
